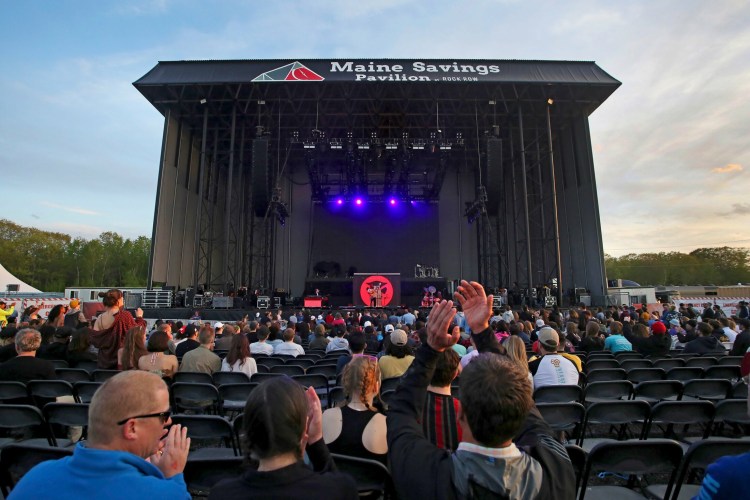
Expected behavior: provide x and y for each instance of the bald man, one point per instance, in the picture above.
(129, 453)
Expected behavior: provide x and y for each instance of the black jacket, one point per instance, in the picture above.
(653, 345)
(704, 345)
(422, 470)
(741, 343)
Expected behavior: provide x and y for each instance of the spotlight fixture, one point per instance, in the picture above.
(358, 202)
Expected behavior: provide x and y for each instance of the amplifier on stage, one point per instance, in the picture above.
(314, 301)
(264, 302)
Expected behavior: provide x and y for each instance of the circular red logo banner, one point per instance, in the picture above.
(374, 285)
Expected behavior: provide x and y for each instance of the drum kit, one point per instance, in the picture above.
(421, 271)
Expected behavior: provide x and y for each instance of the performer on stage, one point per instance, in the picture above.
(376, 296)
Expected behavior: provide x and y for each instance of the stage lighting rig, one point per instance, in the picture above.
(478, 207)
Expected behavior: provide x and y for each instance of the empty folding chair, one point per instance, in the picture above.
(319, 382)
(66, 416)
(311, 355)
(728, 372)
(198, 398)
(193, 377)
(600, 355)
(337, 353)
(600, 364)
(731, 412)
(233, 397)
(327, 370)
(302, 362)
(47, 391)
(221, 378)
(629, 364)
(607, 391)
(577, 457)
(654, 391)
(72, 375)
(668, 363)
(288, 369)
(739, 390)
(624, 355)
(372, 477)
(697, 458)
(627, 418)
(260, 377)
(11, 392)
(24, 419)
(644, 374)
(18, 458)
(684, 373)
(608, 374)
(59, 363)
(562, 417)
(634, 459)
(103, 375)
(84, 391)
(701, 362)
(673, 418)
(89, 366)
(730, 360)
(558, 393)
(211, 435)
(709, 388)
(269, 362)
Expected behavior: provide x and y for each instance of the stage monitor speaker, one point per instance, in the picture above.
(493, 177)
(260, 178)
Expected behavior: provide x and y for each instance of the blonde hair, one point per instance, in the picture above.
(362, 377)
(516, 351)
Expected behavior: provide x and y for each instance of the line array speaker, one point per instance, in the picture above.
(493, 174)
(260, 178)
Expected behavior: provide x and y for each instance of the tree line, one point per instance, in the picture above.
(51, 261)
(704, 266)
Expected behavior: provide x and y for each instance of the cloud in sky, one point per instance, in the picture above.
(665, 144)
(732, 167)
(74, 210)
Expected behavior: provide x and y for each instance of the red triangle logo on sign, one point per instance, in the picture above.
(295, 71)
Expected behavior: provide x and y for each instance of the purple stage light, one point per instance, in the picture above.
(392, 201)
(358, 202)
(339, 201)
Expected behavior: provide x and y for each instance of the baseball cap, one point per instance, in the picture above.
(74, 303)
(367, 323)
(218, 324)
(398, 337)
(548, 338)
(658, 328)
(539, 323)
(389, 328)
(674, 322)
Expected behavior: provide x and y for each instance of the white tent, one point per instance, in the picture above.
(6, 278)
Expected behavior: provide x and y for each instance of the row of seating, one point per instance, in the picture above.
(678, 373)
(651, 391)
(642, 464)
(622, 355)
(634, 419)
(665, 363)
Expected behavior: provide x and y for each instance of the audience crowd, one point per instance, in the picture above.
(467, 376)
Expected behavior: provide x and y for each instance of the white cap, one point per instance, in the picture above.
(367, 323)
(218, 324)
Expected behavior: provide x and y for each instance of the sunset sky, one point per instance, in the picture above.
(79, 146)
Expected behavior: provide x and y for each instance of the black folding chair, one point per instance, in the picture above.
(697, 458)
(18, 458)
(629, 364)
(288, 369)
(198, 398)
(558, 393)
(26, 419)
(299, 361)
(72, 375)
(684, 373)
(601, 364)
(59, 363)
(221, 378)
(636, 375)
(89, 366)
(269, 362)
(337, 353)
(731, 412)
(668, 363)
(627, 355)
(618, 416)
(607, 391)
(728, 372)
(66, 415)
(372, 477)
(336, 395)
(605, 375)
(739, 390)
(654, 391)
(327, 370)
(84, 391)
(46, 391)
(103, 375)
(233, 397)
(578, 458)
(563, 417)
(634, 459)
(730, 360)
(193, 378)
(260, 377)
(710, 389)
(207, 434)
(701, 362)
(669, 415)
(319, 382)
(13, 391)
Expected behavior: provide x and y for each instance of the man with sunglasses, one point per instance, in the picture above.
(129, 452)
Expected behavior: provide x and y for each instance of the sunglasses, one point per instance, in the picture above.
(163, 416)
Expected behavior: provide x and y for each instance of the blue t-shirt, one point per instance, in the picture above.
(726, 479)
(617, 343)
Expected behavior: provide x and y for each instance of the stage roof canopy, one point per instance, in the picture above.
(361, 112)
